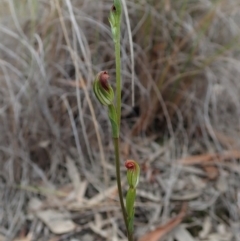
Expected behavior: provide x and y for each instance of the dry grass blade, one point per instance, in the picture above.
(225, 140)
(79, 77)
(109, 193)
(185, 58)
(58, 222)
(212, 172)
(207, 161)
(161, 231)
(29, 237)
(2, 238)
(72, 83)
(181, 234)
(205, 158)
(197, 159)
(79, 186)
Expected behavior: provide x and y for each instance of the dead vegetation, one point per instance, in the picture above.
(57, 178)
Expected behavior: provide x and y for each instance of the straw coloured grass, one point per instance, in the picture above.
(57, 160)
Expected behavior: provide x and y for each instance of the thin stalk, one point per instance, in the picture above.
(130, 236)
(119, 183)
(118, 113)
(118, 78)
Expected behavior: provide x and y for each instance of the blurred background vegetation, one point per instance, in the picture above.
(55, 148)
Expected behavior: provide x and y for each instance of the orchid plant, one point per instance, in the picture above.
(106, 96)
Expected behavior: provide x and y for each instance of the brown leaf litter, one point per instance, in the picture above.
(162, 230)
(209, 161)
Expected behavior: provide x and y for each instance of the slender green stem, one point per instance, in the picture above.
(130, 236)
(118, 77)
(116, 23)
(119, 184)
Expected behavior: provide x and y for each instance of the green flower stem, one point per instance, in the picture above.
(115, 114)
(119, 184)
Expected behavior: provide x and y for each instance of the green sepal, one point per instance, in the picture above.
(113, 24)
(133, 175)
(112, 114)
(105, 97)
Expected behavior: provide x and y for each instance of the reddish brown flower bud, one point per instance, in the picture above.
(130, 164)
(103, 79)
(103, 89)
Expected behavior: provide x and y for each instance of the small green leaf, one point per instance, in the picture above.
(130, 225)
(130, 199)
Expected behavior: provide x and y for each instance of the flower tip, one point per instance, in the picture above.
(113, 8)
(130, 164)
(103, 79)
